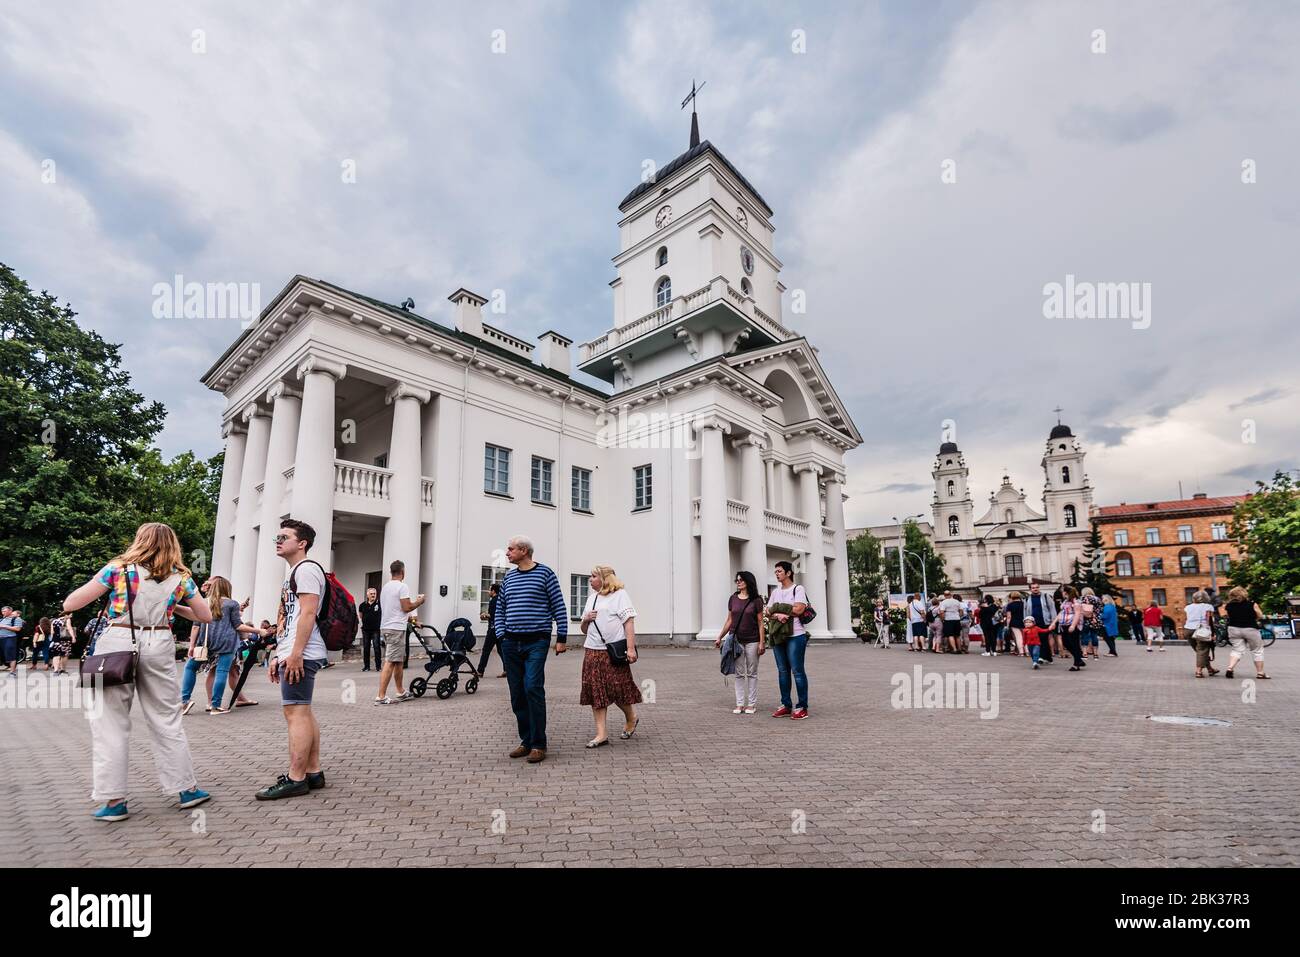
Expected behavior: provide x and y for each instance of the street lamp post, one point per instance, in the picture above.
(925, 584)
(902, 564)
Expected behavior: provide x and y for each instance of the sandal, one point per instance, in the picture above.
(1199, 675)
(627, 734)
(1228, 673)
(244, 704)
(597, 744)
(1261, 676)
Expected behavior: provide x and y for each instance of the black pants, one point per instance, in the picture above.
(490, 642)
(1071, 639)
(370, 640)
(1045, 648)
(1110, 643)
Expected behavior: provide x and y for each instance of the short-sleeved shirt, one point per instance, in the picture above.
(790, 596)
(310, 580)
(951, 609)
(13, 621)
(1241, 614)
(116, 579)
(1153, 617)
(1196, 615)
(915, 611)
(612, 611)
(222, 636)
(1015, 611)
(744, 618)
(391, 616)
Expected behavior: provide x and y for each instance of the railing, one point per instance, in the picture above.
(828, 536)
(737, 513)
(785, 524)
(426, 492)
(364, 481)
(688, 302)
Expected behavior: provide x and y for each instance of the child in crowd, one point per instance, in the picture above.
(1032, 640)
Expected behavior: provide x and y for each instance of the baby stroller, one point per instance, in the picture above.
(454, 655)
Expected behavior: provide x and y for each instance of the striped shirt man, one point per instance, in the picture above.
(529, 601)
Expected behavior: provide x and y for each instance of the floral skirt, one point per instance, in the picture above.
(605, 684)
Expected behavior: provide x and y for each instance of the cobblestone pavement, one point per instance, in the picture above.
(860, 782)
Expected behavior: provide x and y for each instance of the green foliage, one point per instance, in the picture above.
(866, 579)
(1267, 529)
(914, 541)
(79, 471)
(1092, 572)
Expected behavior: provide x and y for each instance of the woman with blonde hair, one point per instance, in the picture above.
(148, 583)
(608, 622)
(220, 641)
(61, 645)
(1243, 630)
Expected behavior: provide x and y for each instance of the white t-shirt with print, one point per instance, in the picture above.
(309, 578)
(790, 596)
(612, 611)
(391, 616)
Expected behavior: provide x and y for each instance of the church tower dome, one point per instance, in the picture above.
(954, 511)
(1067, 494)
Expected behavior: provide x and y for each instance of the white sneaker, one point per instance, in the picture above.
(984, 654)
(737, 710)
(750, 710)
(384, 700)
(1035, 665)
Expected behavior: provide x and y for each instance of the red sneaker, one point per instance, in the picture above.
(799, 715)
(781, 712)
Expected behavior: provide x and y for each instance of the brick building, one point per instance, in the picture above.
(1171, 549)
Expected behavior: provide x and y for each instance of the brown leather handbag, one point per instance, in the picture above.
(115, 667)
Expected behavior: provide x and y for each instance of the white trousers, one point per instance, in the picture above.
(747, 677)
(159, 695)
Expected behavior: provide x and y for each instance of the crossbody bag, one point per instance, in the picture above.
(115, 667)
(617, 650)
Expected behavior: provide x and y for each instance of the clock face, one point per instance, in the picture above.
(747, 260)
(663, 216)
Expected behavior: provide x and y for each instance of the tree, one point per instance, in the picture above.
(1267, 529)
(79, 471)
(866, 578)
(914, 541)
(1091, 572)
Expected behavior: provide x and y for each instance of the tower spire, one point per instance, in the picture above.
(695, 119)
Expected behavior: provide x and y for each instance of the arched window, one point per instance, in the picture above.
(1123, 564)
(1065, 475)
(663, 292)
(661, 257)
(1188, 563)
(1015, 566)
(951, 487)
(1071, 521)
(954, 526)
(746, 288)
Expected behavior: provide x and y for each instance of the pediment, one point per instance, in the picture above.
(794, 363)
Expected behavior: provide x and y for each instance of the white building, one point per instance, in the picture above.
(719, 445)
(1012, 545)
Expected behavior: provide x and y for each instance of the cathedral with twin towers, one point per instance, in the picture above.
(1012, 545)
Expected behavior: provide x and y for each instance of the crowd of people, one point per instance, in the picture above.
(148, 586)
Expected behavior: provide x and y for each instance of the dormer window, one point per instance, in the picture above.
(661, 257)
(663, 292)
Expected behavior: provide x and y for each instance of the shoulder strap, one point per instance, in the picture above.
(130, 601)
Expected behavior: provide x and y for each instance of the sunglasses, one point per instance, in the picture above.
(282, 538)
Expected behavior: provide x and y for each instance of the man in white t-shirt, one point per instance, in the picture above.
(395, 607)
(299, 654)
(916, 619)
(951, 610)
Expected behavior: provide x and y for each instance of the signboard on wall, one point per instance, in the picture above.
(469, 593)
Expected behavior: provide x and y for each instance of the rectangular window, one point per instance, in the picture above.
(579, 589)
(1222, 563)
(487, 575)
(1123, 567)
(580, 492)
(1126, 596)
(1158, 596)
(1015, 566)
(1187, 563)
(496, 470)
(644, 487)
(1184, 533)
(1153, 536)
(543, 487)
(1121, 536)
(1219, 531)
(1188, 593)
(1157, 566)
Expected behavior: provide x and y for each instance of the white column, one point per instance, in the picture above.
(428, 466)
(769, 487)
(813, 578)
(839, 612)
(754, 552)
(715, 581)
(243, 561)
(402, 530)
(286, 409)
(313, 470)
(457, 497)
(223, 540)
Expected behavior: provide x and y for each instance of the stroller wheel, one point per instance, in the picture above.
(445, 688)
(471, 686)
(418, 687)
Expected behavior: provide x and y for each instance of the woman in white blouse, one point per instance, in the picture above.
(609, 618)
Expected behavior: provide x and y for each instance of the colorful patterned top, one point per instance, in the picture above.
(112, 576)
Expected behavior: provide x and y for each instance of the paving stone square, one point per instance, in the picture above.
(1070, 772)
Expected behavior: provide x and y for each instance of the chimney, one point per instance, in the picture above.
(553, 352)
(1199, 495)
(469, 311)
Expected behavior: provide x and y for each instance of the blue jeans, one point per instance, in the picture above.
(789, 660)
(525, 663)
(192, 666)
(9, 645)
(1033, 653)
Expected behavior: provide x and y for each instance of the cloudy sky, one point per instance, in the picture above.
(933, 166)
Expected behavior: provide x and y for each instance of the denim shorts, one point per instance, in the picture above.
(301, 692)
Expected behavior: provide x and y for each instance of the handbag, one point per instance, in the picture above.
(201, 650)
(809, 612)
(115, 667)
(617, 650)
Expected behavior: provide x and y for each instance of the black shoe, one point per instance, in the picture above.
(315, 781)
(367, 668)
(283, 787)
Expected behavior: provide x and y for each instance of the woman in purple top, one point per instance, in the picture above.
(745, 620)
